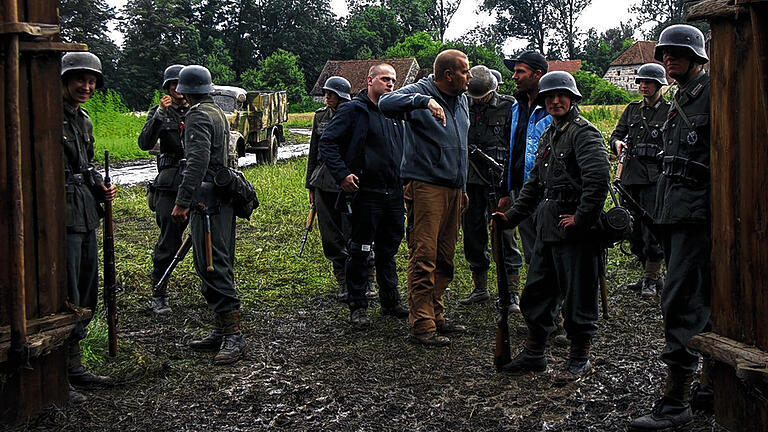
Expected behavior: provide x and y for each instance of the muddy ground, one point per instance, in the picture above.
(307, 370)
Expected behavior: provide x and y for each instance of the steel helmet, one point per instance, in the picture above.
(82, 62)
(481, 83)
(652, 72)
(684, 36)
(194, 79)
(171, 74)
(557, 80)
(338, 85)
(497, 74)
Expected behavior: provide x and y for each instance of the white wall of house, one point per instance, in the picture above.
(623, 76)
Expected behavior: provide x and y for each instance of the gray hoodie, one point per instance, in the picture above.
(432, 153)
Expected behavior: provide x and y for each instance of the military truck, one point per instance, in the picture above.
(255, 120)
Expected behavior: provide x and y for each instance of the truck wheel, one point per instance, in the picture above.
(271, 154)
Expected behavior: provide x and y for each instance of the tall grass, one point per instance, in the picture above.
(114, 127)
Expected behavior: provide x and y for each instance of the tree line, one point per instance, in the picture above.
(285, 43)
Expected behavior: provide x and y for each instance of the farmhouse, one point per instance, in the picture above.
(355, 72)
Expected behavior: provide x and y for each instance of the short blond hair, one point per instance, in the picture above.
(375, 70)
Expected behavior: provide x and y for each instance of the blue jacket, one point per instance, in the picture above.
(432, 153)
(537, 124)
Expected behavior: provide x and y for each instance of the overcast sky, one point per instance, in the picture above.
(601, 14)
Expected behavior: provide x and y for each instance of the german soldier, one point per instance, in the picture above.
(683, 216)
(568, 184)
(164, 124)
(489, 131)
(639, 134)
(80, 76)
(206, 140)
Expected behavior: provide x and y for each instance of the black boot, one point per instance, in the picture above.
(78, 375)
(359, 317)
(341, 284)
(159, 305)
(702, 392)
(513, 285)
(232, 342)
(397, 310)
(526, 362)
(578, 365)
(672, 410)
(480, 293)
(210, 343)
(635, 286)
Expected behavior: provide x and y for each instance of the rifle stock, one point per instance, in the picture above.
(307, 229)
(186, 245)
(501, 353)
(110, 291)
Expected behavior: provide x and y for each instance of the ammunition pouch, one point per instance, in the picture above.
(74, 179)
(207, 195)
(645, 151)
(167, 160)
(614, 225)
(233, 183)
(152, 196)
(684, 170)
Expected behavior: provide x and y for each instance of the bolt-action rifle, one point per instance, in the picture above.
(110, 290)
(307, 229)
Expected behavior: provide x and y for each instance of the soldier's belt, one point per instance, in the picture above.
(167, 160)
(75, 179)
(684, 170)
(645, 151)
(565, 197)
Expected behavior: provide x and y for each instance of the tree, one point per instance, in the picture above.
(599, 51)
(567, 12)
(440, 15)
(278, 71)
(374, 28)
(524, 19)
(219, 62)
(85, 21)
(662, 13)
(419, 45)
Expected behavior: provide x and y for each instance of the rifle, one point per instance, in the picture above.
(307, 229)
(186, 245)
(110, 291)
(501, 352)
(626, 198)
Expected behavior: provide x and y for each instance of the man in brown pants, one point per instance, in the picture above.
(434, 170)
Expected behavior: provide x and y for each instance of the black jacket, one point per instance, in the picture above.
(361, 140)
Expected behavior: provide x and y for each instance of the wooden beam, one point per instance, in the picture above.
(25, 46)
(30, 29)
(47, 323)
(749, 362)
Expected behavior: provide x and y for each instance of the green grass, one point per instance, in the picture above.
(114, 128)
(302, 120)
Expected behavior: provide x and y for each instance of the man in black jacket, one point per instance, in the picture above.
(164, 124)
(362, 150)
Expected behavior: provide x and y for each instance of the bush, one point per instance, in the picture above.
(279, 71)
(586, 82)
(114, 127)
(306, 105)
(597, 91)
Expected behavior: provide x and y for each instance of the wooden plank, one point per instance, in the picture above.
(738, 407)
(28, 190)
(725, 160)
(49, 176)
(728, 351)
(4, 211)
(45, 12)
(46, 323)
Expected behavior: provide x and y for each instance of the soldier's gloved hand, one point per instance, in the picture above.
(504, 203)
(350, 183)
(437, 111)
(109, 192)
(179, 214)
(165, 102)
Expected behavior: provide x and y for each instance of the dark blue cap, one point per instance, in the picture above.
(532, 58)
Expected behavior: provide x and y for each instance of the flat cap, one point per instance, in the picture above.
(532, 58)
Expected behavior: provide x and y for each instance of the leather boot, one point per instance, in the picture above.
(359, 317)
(578, 365)
(651, 281)
(78, 375)
(232, 342)
(398, 311)
(480, 293)
(702, 392)
(341, 285)
(673, 409)
(210, 342)
(158, 303)
(525, 362)
(513, 285)
(635, 286)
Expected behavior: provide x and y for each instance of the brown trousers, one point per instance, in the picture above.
(434, 213)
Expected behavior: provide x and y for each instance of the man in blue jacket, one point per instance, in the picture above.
(434, 167)
(362, 150)
(529, 121)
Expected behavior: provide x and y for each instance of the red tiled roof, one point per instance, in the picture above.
(563, 65)
(641, 52)
(355, 71)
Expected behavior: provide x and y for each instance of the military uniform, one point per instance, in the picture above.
(570, 176)
(84, 192)
(206, 139)
(683, 216)
(166, 126)
(640, 127)
(489, 131)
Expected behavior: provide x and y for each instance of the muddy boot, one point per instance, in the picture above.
(398, 311)
(232, 342)
(558, 337)
(211, 342)
(672, 410)
(75, 397)
(578, 365)
(159, 305)
(430, 339)
(635, 286)
(78, 375)
(480, 293)
(370, 290)
(527, 361)
(341, 284)
(651, 281)
(513, 285)
(359, 317)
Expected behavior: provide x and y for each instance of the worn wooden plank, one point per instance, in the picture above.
(28, 190)
(42, 12)
(4, 209)
(728, 351)
(46, 323)
(49, 176)
(725, 160)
